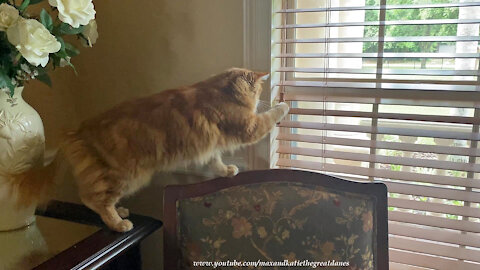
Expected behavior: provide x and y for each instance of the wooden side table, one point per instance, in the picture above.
(71, 236)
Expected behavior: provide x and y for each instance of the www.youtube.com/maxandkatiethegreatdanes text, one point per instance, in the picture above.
(259, 263)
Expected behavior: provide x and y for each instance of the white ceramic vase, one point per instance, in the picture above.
(22, 249)
(22, 146)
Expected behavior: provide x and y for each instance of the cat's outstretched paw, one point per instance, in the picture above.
(123, 226)
(123, 212)
(284, 109)
(232, 170)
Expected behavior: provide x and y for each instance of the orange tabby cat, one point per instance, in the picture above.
(116, 153)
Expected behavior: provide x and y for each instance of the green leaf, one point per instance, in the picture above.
(46, 20)
(33, 2)
(24, 5)
(6, 82)
(45, 79)
(72, 66)
(62, 53)
(56, 60)
(71, 50)
(66, 29)
(62, 42)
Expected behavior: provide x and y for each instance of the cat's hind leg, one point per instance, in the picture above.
(219, 168)
(101, 195)
(99, 187)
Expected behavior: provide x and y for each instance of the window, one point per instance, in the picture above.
(388, 90)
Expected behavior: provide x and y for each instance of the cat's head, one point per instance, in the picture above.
(246, 84)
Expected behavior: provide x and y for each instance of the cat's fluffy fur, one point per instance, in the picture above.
(116, 153)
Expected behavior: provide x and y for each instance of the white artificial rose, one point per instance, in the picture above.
(90, 32)
(74, 12)
(33, 41)
(8, 16)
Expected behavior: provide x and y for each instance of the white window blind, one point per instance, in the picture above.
(388, 90)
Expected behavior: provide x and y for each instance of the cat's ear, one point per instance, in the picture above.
(261, 76)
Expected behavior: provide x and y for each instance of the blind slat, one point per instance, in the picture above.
(380, 86)
(383, 130)
(429, 261)
(434, 234)
(382, 96)
(439, 222)
(378, 173)
(399, 81)
(414, 162)
(434, 249)
(434, 192)
(395, 116)
(438, 149)
(377, 23)
(387, 7)
(376, 55)
(385, 39)
(402, 266)
(427, 72)
(435, 207)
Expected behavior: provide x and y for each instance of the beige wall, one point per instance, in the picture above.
(55, 105)
(148, 46)
(144, 47)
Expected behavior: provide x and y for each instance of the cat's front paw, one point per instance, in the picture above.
(123, 226)
(284, 108)
(232, 170)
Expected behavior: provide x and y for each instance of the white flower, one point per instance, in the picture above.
(74, 12)
(90, 32)
(33, 41)
(8, 16)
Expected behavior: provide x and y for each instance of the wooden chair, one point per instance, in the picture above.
(276, 215)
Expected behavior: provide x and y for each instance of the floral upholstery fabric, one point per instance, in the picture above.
(277, 221)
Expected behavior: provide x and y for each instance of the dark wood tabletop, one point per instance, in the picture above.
(103, 247)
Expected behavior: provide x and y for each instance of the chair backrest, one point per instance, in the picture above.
(276, 215)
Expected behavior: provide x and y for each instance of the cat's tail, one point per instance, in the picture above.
(35, 185)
